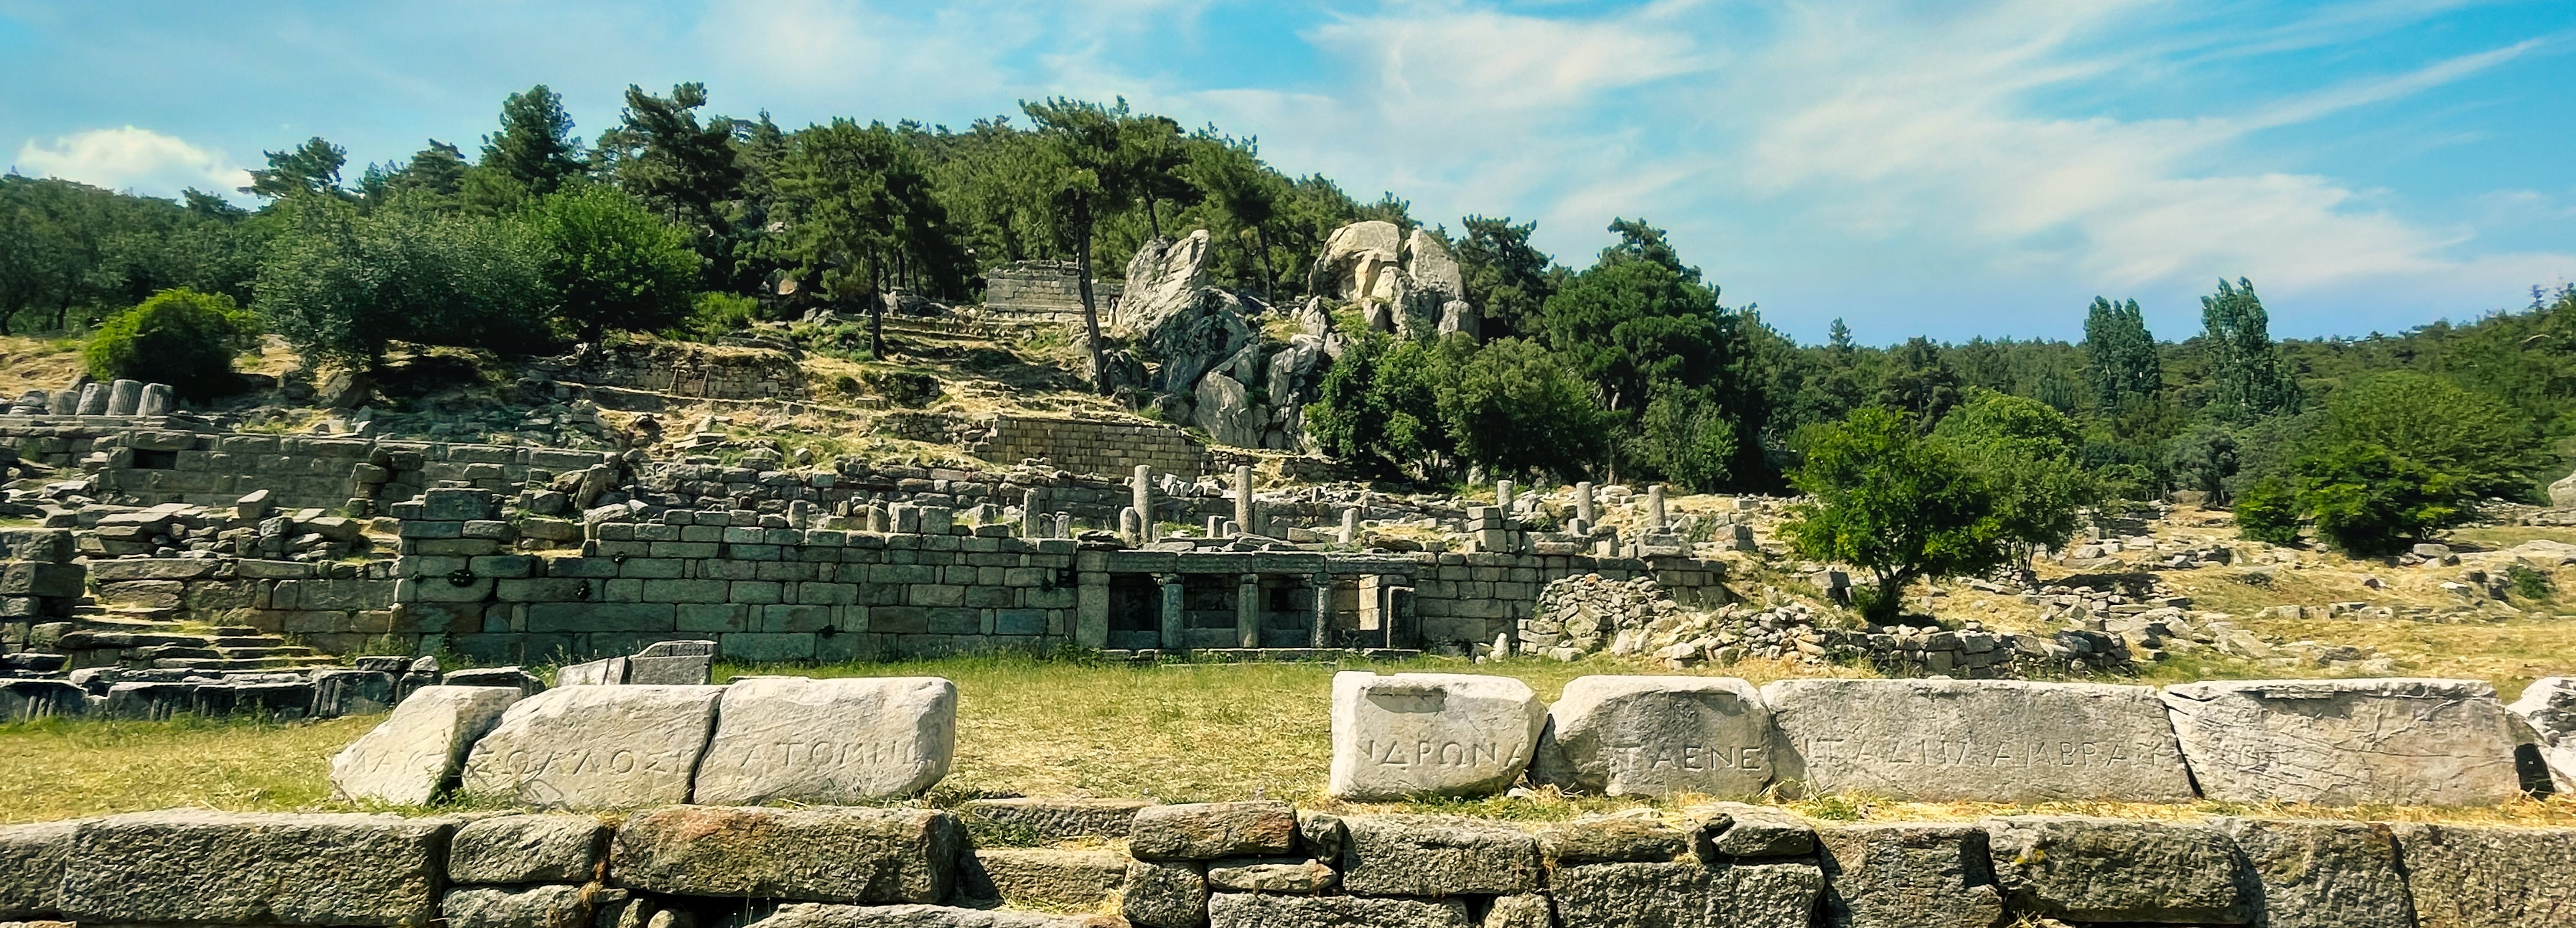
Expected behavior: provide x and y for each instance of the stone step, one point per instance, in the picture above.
(292, 650)
(250, 663)
(231, 631)
(248, 641)
(176, 651)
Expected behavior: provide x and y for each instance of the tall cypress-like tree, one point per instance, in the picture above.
(534, 154)
(2120, 354)
(2248, 379)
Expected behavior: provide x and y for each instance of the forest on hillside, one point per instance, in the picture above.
(1621, 365)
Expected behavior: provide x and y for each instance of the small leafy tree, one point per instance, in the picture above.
(2368, 500)
(2024, 453)
(181, 337)
(1379, 406)
(1514, 409)
(611, 264)
(1685, 437)
(2268, 512)
(1894, 502)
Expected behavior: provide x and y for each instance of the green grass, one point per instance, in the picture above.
(68, 768)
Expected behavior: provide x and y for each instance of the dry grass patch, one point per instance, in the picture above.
(69, 768)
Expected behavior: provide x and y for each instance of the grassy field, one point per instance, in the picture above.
(1175, 733)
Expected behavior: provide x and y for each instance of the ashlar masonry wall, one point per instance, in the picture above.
(1089, 447)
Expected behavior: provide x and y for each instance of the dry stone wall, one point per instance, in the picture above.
(2334, 742)
(1092, 447)
(1267, 865)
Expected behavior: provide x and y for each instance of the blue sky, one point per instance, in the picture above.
(1948, 167)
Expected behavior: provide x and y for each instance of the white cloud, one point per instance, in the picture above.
(130, 158)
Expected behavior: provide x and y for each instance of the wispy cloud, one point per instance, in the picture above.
(130, 158)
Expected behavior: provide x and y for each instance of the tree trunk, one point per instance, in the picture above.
(1091, 312)
(876, 313)
(1153, 220)
(1261, 251)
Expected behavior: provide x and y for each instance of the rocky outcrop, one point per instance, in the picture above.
(1405, 282)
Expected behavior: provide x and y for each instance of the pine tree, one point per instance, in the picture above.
(2248, 379)
(2120, 354)
(533, 154)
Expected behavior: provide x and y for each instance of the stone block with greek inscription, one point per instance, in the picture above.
(2408, 741)
(1657, 736)
(1976, 740)
(829, 742)
(405, 758)
(596, 747)
(1441, 734)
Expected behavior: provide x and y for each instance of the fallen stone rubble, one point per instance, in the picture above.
(1268, 864)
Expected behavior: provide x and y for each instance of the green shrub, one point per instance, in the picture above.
(2368, 500)
(2528, 583)
(2268, 512)
(180, 337)
(715, 315)
(903, 388)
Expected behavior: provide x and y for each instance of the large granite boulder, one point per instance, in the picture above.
(1435, 292)
(407, 757)
(188, 865)
(2562, 492)
(1163, 279)
(2548, 706)
(825, 854)
(1360, 262)
(1976, 740)
(1226, 410)
(1656, 736)
(596, 747)
(2119, 870)
(2346, 742)
(1908, 876)
(1256, 910)
(2489, 876)
(1434, 857)
(1430, 734)
(848, 741)
(2323, 874)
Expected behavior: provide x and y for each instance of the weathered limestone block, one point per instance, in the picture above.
(406, 758)
(31, 867)
(1523, 911)
(351, 692)
(1430, 733)
(1210, 830)
(1657, 736)
(527, 849)
(1734, 829)
(1434, 857)
(1775, 894)
(2408, 741)
(255, 868)
(2321, 874)
(1611, 840)
(557, 906)
(853, 855)
(675, 663)
(1030, 876)
(1164, 895)
(1251, 910)
(812, 915)
(1045, 820)
(124, 397)
(1272, 875)
(2548, 705)
(1908, 876)
(595, 747)
(1976, 740)
(2490, 876)
(1687, 895)
(830, 742)
(2119, 870)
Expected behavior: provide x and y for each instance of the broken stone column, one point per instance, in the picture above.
(1063, 524)
(1143, 490)
(1247, 611)
(1171, 616)
(1323, 637)
(124, 397)
(66, 401)
(877, 519)
(1655, 508)
(1350, 526)
(1503, 497)
(1216, 526)
(1032, 521)
(93, 399)
(1583, 503)
(159, 400)
(1243, 498)
(1130, 527)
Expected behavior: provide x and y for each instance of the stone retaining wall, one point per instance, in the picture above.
(681, 369)
(1267, 864)
(2416, 742)
(1092, 447)
(183, 460)
(335, 607)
